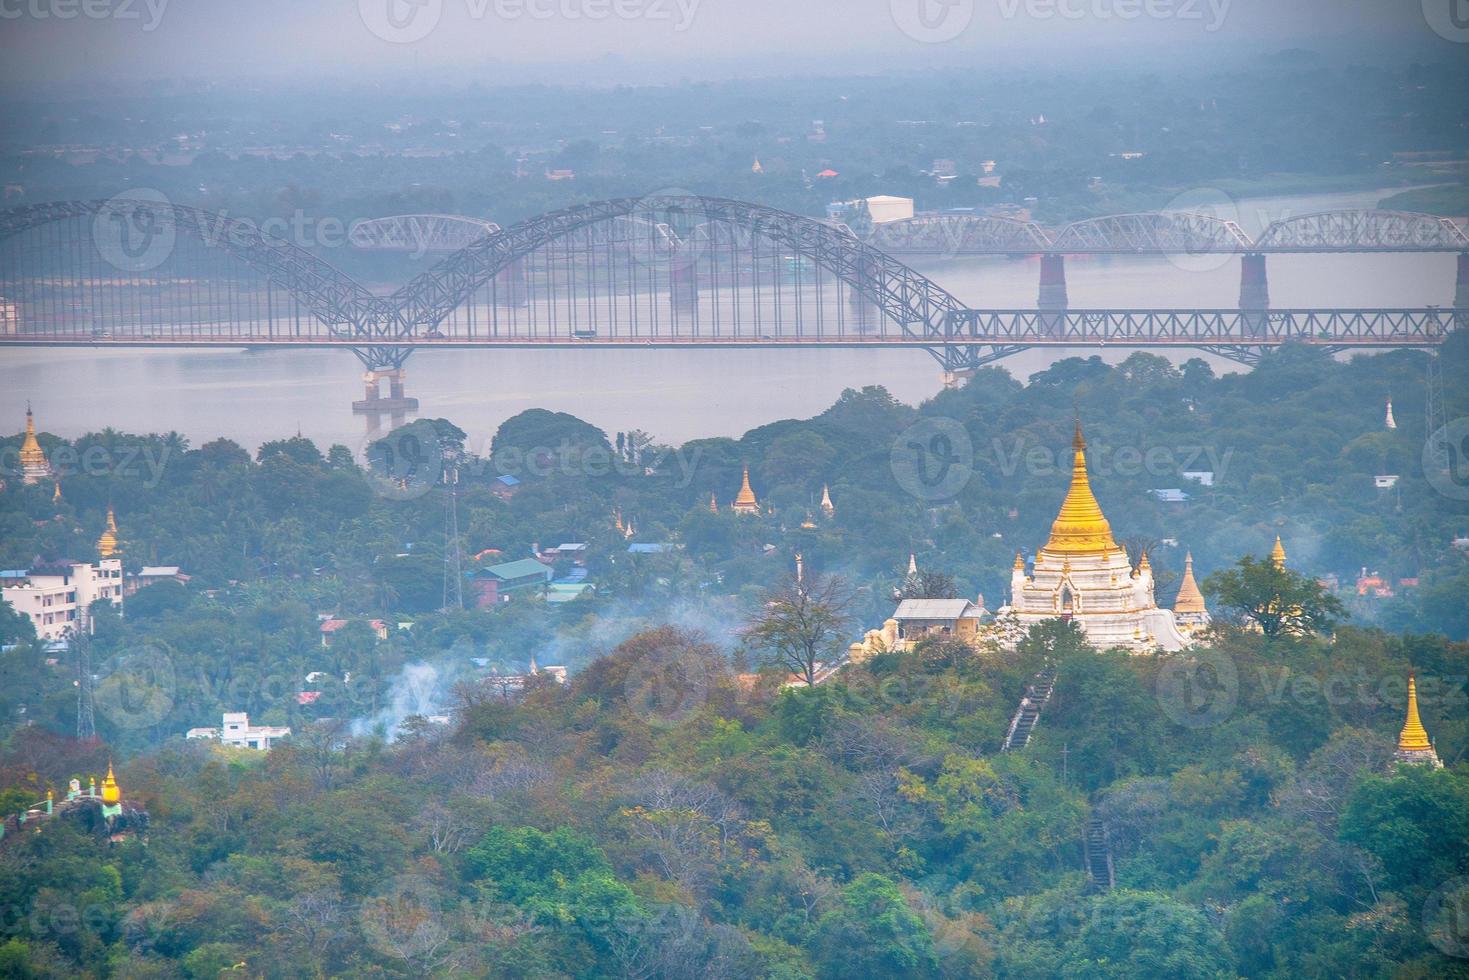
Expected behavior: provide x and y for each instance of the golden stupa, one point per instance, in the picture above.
(1080, 528)
(111, 792)
(34, 466)
(1414, 746)
(745, 502)
(1190, 599)
(1277, 554)
(107, 543)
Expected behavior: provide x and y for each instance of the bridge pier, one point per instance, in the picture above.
(1254, 285)
(1461, 283)
(683, 288)
(511, 286)
(1053, 283)
(374, 406)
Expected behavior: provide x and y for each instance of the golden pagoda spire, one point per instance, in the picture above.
(1080, 527)
(56, 493)
(1019, 562)
(107, 543)
(33, 463)
(1190, 599)
(745, 501)
(1277, 554)
(1413, 737)
(827, 507)
(713, 503)
(111, 792)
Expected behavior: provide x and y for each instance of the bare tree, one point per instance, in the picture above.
(801, 623)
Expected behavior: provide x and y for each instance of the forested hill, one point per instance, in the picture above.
(672, 810)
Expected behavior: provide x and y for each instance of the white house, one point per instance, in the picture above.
(56, 598)
(238, 732)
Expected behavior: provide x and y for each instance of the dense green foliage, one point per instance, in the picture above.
(664, 811)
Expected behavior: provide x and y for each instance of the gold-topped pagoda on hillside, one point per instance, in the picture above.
(1189, 610)
(107, 543)
(1414, 747)
(34, 467)
(745, 502)
(1080, 528)
(1082, 575)
(1277, 554)
(827, 507)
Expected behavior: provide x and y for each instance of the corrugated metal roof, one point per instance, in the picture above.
(936, 609)
(523, 568)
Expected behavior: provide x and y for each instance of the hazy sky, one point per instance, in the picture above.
(59, 40)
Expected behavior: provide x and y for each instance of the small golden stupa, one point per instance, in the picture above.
(745, 501)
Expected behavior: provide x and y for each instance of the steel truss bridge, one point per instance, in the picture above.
(640, 272)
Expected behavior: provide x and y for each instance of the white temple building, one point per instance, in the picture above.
(1083, 575)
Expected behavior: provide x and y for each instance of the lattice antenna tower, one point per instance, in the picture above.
(86, 718)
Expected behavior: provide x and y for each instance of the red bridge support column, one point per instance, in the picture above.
(1053, 283)
(511, 288)
(1254, 286)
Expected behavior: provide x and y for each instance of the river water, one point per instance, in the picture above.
(675, 395)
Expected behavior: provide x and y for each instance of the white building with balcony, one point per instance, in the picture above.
(56, 598)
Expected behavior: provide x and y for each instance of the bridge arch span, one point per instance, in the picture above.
(1364, 230)
(914, 302)
(951, 234)
(1167, 231)
(142, 236)
(419, 233)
